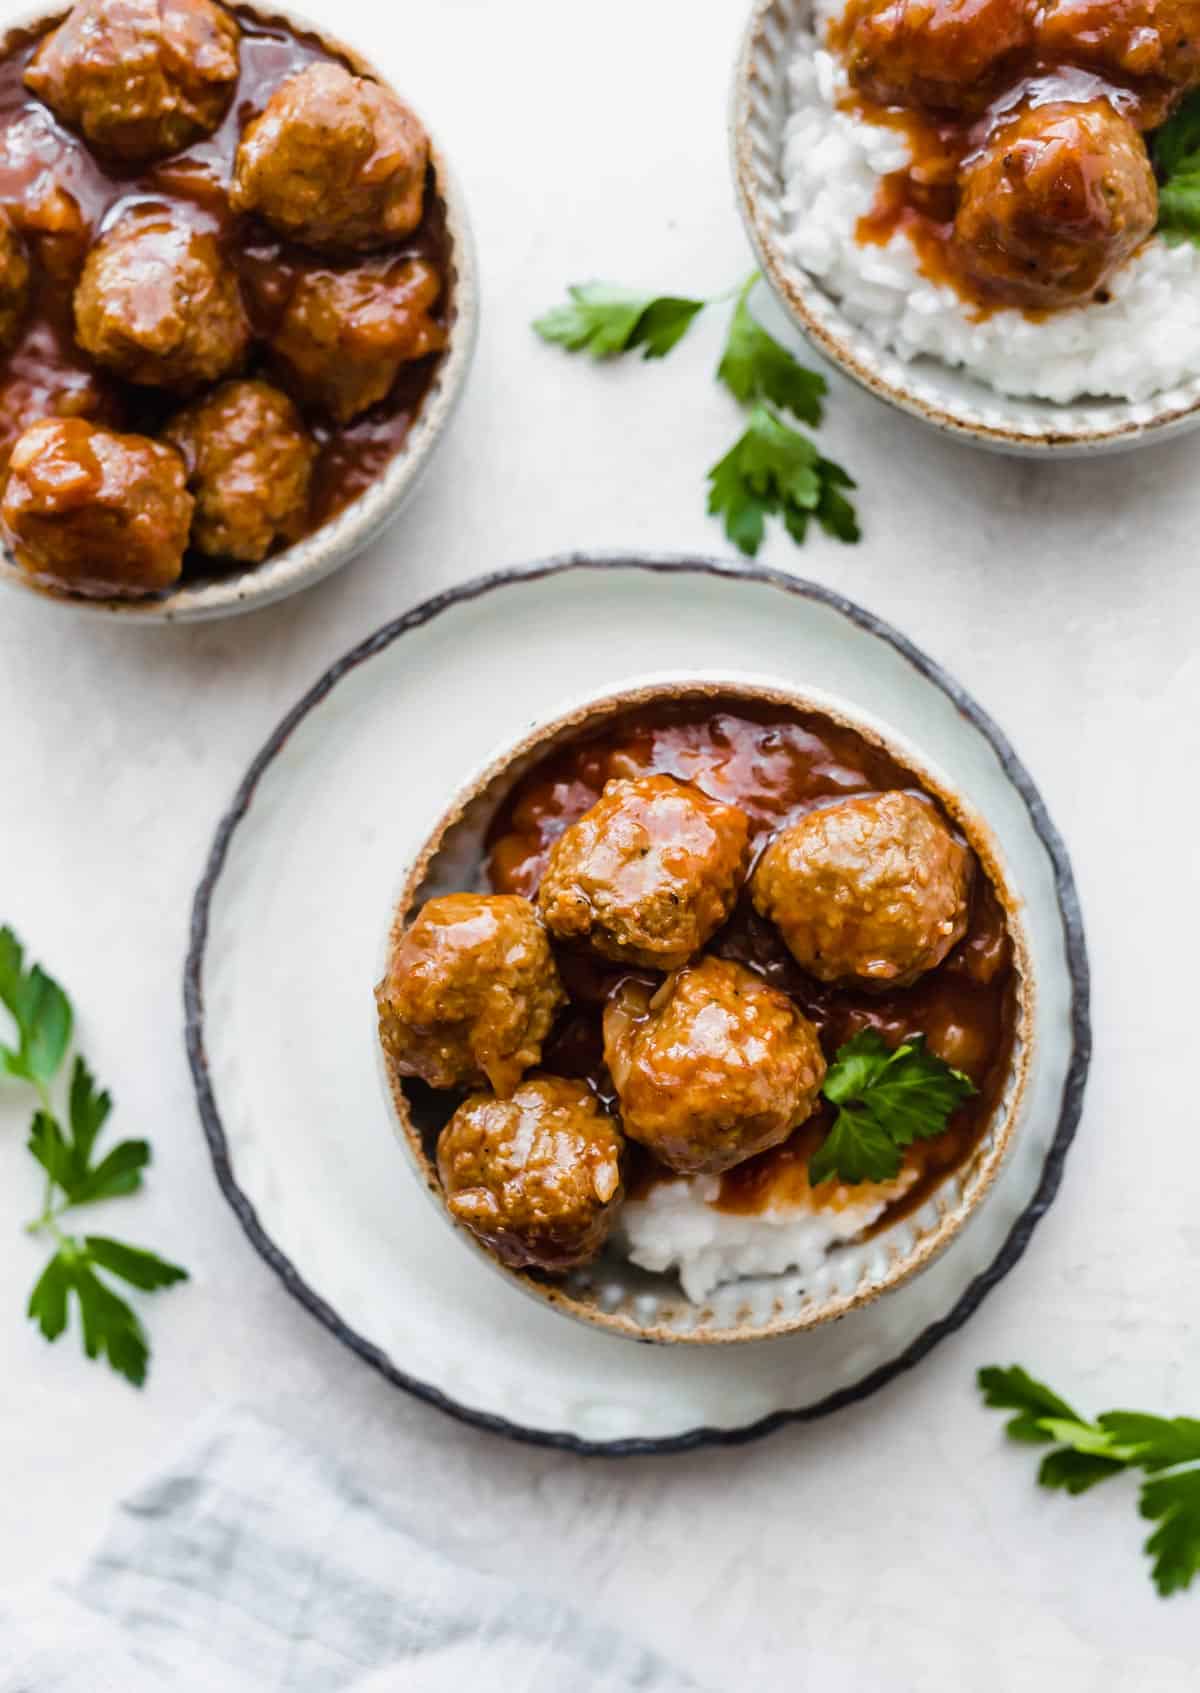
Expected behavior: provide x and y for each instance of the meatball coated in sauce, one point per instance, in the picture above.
(96, 513)
(713, 1067)
(250, 462)
(1054, 204)
(335, 161)
(946, 54)
(139, 79)
(1154, 39)
(536, 1177)
(159, 304)
(648, 874)
(470, 994)
(346, 333)
(874, 890)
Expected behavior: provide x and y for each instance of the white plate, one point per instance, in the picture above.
(285, 949)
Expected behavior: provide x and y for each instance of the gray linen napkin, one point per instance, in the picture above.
(257, 1565)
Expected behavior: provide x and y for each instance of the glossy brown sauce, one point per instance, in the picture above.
(775, 764)
(921, 200)
(38, 155)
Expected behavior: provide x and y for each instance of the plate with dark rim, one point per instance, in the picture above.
(285, 948)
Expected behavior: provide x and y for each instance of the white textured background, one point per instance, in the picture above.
(900, 1545)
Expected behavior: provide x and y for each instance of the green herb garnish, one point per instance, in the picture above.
(1088, 1453)
(772, 470)
(76, 1175)
(1175, 150)
(886, 1099)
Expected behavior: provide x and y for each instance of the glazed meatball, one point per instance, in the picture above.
(470, 993)
(1158, 40)
(1054, 204)
(159, 305)
(139, 78)
(335, 161)
(648, 874)
(947, 54)
(94, 512)
(14, 282)
(873, 890)
(536, 1177)
(712, 1068)
(346, 333)
(250, 461)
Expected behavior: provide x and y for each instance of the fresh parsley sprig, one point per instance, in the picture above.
(1175, 150)
(77, 1174)
(1088, 1453)
(886, 1098)
(772, 470)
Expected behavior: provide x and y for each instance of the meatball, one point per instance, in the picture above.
(1155, 40)
(94, 512)
(159, 304)
(14, 282)
(648, 874)
(947, 54)
(250, 461)
(470, 993)
(139, 78)
(873, 890)
(712, 1068)
(346, 333)
(335, 161)
(1054, 204)
(536, 1177)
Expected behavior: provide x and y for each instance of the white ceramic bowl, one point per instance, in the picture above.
(612, 1293)
(225, 593)
(943, 397)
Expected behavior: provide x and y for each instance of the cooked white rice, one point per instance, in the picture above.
(1145, 340)
(676, 1227)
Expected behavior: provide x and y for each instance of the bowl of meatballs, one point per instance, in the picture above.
(237, 305)
(705, 1012)
(971, 209)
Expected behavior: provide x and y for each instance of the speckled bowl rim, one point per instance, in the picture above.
(978, 1172)
(336, 543)
(1069, 430)
(678, 567)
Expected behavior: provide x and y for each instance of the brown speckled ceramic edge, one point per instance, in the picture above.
(338, 542)
(677, 567)
(676, 1321)
(1001, 422)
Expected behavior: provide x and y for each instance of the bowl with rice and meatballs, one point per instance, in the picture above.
(237, 305)
(706, 1012)
(980, 211)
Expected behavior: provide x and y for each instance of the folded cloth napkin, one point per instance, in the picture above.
(257, 1565)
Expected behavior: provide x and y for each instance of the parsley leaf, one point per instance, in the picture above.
(1090, 1453)
(887, 1098)
(755, 367)
(1175, 149)
(75, 1177)
(1174, 1503)
(41, 1012)
(605, 320)
(774, 470)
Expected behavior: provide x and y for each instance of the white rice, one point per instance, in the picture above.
(677, 1227)
(1145, 340)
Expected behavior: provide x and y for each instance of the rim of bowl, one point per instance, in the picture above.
(976, 1175)
(754, 138)
(340, 540)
